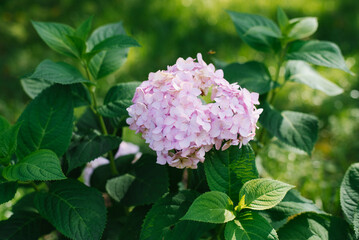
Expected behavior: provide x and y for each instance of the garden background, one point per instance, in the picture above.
(167, 30)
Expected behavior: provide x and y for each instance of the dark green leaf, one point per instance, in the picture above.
(54, 35)
(77, 44)
(115, 42)
(24, 225)
(300, 28)
(211, 207)
(89, 149)
(104, 32)
(26, 203)
(261, 194)
(258, 32)
(4, 124)
(41, 165)
(117, 187)
(47, 122)
(75, 210)
(251, 75)
(302, 72)
(118, 99)
(8, 142)
(34, 87)
(132, 228)
(162, 221)
(249, 226)
(81, 95)
(60, 72)
(227, 171)
(314, 226)
(349, 192)
(84, 29)
(7, 191)
(296, 129)
(282, 18)
(322, 53)
(356, 222)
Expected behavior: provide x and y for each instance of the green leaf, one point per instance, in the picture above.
(117, 187)
(47, 122)
(118, 99)
(90, 148)
(261, 194)
(300, 28)
(258, 32)
(24, 225)
(322, 53)
(314, 226)
(8, 143)
(302, 72)
(75, 210)
(84, 29)
(106, 62)
(60, 72)
(251, 75)
(4, 124)
(349, 192)
(41, 165)
(249, 226)
(211, 207)
(282, 19)
(80, 94)
(163, 220)
(227, 171)
(77, 44)
(296, 129)
(7, 191)
(54, 35)
(26, 203)
(356, 222)
(293, 203)
(115, 42)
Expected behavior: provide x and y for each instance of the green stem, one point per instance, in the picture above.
(34, 186)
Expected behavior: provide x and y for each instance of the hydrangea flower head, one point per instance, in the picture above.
(169, 111)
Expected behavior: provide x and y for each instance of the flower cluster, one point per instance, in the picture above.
(179, 125)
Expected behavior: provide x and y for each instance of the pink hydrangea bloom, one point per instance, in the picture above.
(169, 112)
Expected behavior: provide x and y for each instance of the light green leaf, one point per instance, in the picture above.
(24, 225)
(302, 72)
(249, 226)
(7, 191)
(300, 28)
(211, 207)
(162, 221)
(296, 129)
(118, 99)
(8, 142)
(227, 171)
(117, 187)
(282, 19)
(90, 148)
(314, 226)
(356, 222)
(322, 53)
(349, 192)
(84, 29)
(258, 32)
(60, 72)
(55, 36)
(47, 122)
(42, 165)
(261, 194)
(251, 75)
(75, 210)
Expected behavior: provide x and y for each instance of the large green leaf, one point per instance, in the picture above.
(7, 191)
(57, 72)
(356, 222)
(251, 75)
(296, 129)
(118, 99)
(322, 53)
(117, 187)
(41, 165)
(261, 194)
(162, 221)
(90, 148)
(55, 36)
(257, 31)
(115, 42)
(4, 124)
(227, 171)
(315, 226)
(75, 210)
(24, 225)
(302, 72)
(249, 226)
(349, 192)
(8, 143)
(211, 207)
(47, 122)
(300, 28)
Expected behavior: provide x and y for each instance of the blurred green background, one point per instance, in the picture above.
(181, 28)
